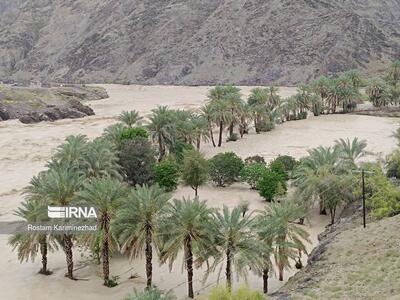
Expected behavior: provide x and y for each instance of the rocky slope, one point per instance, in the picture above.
(196, 41)
(351, 262)
(31, 105)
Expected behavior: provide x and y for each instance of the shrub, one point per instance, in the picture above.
(271, 185)
(194, 170)
(221, 293)
(232, 138)
(289, 162)
(393, 165)
(137, 159)
(225, 168)
(150, 294)
(383, 197)
(255, 159)
(278, 167)
(131, 133)
(166, 174)
(252, 173)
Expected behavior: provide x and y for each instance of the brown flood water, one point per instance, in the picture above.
(24, 150)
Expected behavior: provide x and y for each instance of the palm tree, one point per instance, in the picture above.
(136, 224)
(100, 159)
(273, 99)
(106, 195)
(71, 150)
(130, 118)
(207, 113)
(186, 226)
(351, 151)
(201, 130)
(221, 116)
(114, 132)
(265, 234)
(162, 128)
(28, 245)
(58, 187)
(287, 237)
(321, 162)
(235, 107)
(236, 242)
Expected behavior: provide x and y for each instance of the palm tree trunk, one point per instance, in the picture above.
(228, 271)
(195, 191)
(160, 148)
(280, 273)
(106, 264)
(265, 280)
(231, 129)
(149, 256)
(43, 251)
(212, 137)
(198, 143)
(68, 254)
(189, 266)
(221, 129)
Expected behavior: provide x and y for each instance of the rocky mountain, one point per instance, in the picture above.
(195, 41)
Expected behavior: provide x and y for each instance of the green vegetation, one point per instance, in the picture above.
(252, 173)
(220, 293)
(150, 294)
(118, 173)
(194, 170)
(225, 168)
(167, 173)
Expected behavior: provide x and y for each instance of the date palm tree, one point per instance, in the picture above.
(58, 187)
(287, 237)
(162, 128)
(137, 223)
(71, 151)
(28, 245)
(130, 118)
(351, 151)
(207, 113)
(221, 116)
(186, 226)
(236, 243)
(106, 195)
(100, 159)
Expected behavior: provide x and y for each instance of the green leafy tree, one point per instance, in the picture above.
(225, 168)
(136, 225)
(271, 185)
(106, 195)
(167, 173)
(186, 226)
(252, 173)
(194, 170)
(131, 133)
(137, 160)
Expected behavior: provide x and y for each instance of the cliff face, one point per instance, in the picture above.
(195, 41)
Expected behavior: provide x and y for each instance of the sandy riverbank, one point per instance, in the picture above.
(24, 150)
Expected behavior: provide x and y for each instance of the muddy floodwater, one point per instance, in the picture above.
(24, 150)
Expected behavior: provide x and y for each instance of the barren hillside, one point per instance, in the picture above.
(195, 41)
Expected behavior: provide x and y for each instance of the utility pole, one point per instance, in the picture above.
(363, 172)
